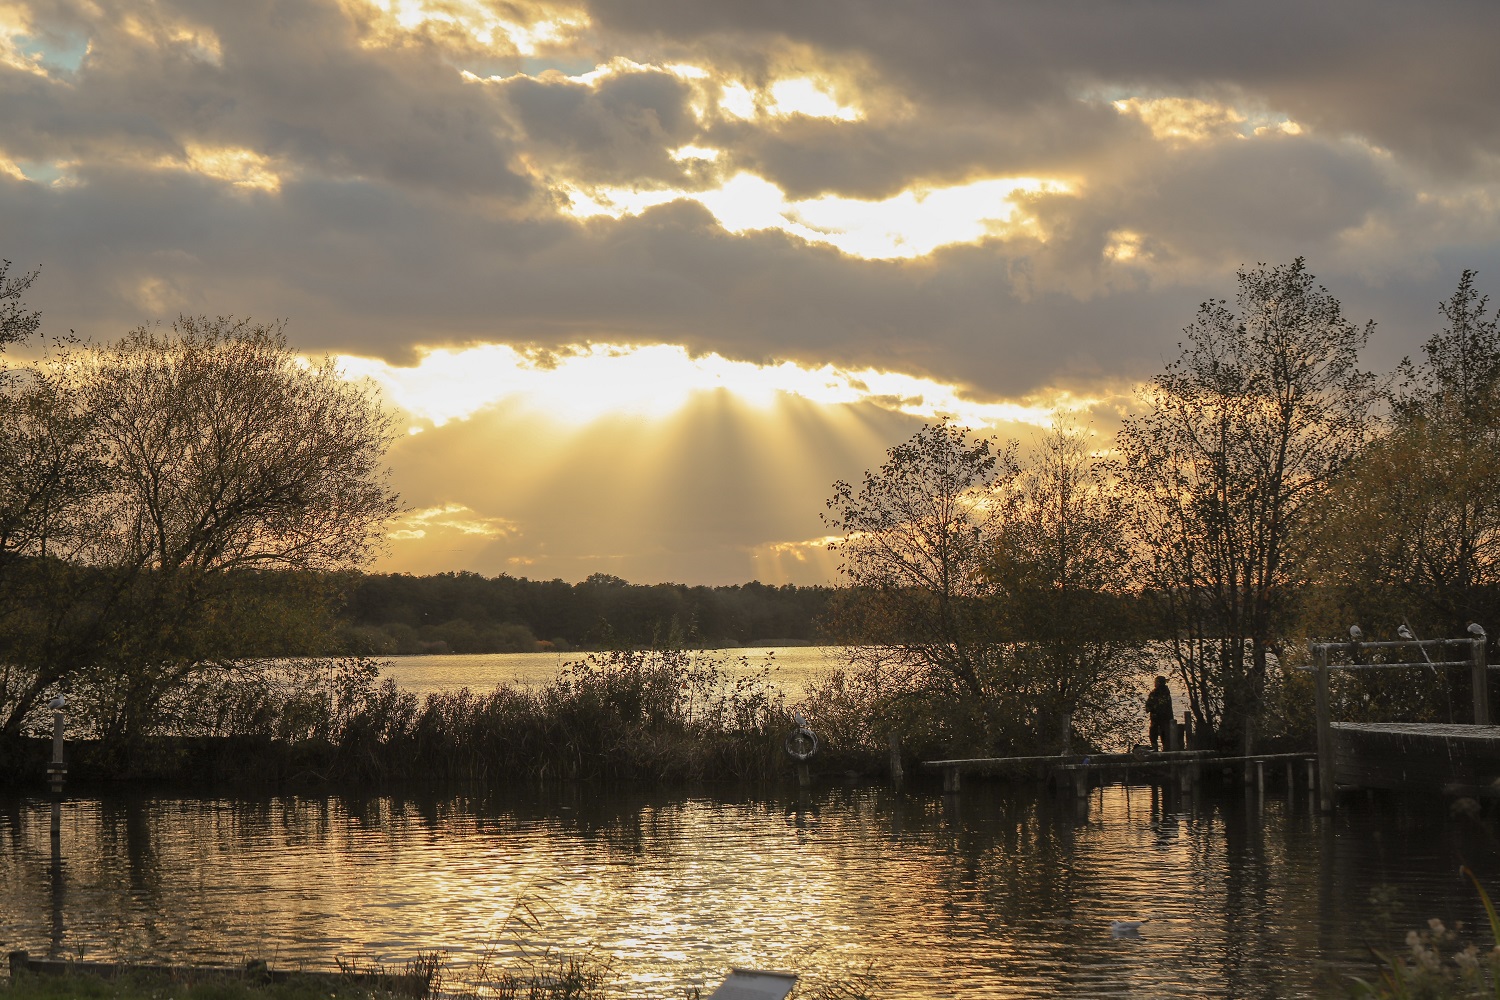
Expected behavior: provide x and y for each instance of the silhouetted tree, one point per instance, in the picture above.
(1061, 565)
(222, 454)
(1236, 441)
(914, 547)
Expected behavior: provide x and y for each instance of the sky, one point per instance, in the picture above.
(643, 279)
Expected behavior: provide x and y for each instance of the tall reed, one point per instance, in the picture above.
(662, 714)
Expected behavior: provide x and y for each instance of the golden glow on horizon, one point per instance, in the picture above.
(908, 225)
(451, 517)
(782, 562)
(655, 381)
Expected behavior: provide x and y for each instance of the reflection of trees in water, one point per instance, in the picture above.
(996, 883)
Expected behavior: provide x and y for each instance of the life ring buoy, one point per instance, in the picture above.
(801, 744)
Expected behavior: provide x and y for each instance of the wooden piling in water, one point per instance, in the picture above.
(1325, 731)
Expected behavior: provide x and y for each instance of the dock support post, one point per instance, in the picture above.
(57, 771)
(1260, 779)
(804, 776)
(1325, 732)
(897, 774)
(950, 779)
(1481, 685)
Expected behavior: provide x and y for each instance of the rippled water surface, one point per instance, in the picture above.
(999, 891)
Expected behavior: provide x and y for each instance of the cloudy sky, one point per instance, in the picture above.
(644, 278)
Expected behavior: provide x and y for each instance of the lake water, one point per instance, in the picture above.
(790, 667)
(999, 891)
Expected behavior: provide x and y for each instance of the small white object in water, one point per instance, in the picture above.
(1126, 928)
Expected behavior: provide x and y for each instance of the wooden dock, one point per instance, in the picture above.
(1454, 758)
(1084, 771)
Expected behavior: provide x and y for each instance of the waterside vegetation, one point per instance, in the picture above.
(656, 715)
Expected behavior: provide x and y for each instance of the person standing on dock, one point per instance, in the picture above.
(1159, 709)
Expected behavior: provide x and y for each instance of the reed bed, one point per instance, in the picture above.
(664, 715)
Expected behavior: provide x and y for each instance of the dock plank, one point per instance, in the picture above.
(1408, 755)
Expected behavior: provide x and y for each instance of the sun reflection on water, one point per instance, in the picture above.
(998, 892)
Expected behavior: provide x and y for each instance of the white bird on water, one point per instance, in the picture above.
(1126, 928)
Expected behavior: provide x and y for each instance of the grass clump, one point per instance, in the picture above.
(1438, 963)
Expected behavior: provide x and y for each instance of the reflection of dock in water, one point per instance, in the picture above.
(1081, 772)
(1453, 758)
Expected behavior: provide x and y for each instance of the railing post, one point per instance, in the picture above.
(1481, 685)
(1325, 731)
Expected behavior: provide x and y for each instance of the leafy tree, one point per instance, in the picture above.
(223, 456)
(227, 454)
(1234, 444)
(1415, 529)
(1412, 533)
(914, 549)
(51, 476)
(17, 323)
(1061, 566)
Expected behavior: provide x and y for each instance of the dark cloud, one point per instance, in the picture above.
(807, 157)
(1417, 78)
(289, 81)
(365, 267)
(618, 132)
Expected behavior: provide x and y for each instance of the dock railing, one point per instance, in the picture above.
(1323, 652)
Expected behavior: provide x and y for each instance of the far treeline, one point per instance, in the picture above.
(184, 514)
(392, 614)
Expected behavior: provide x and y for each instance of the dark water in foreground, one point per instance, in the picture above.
(998, 892)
